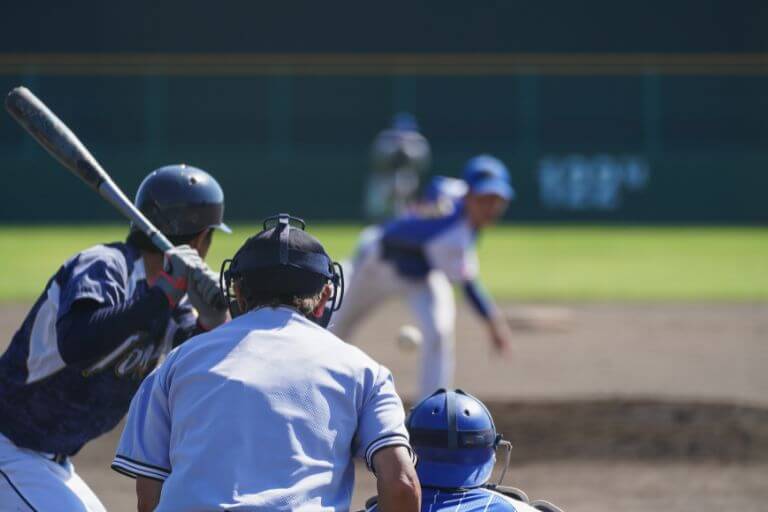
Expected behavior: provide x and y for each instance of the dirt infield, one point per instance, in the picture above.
(611, 407)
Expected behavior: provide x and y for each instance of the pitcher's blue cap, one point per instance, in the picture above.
(486, 174)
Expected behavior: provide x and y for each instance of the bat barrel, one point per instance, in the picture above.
(51, 133)
(62, 144)
(47, 129)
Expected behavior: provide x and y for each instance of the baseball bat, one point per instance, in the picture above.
(63, 144)
(47, 129)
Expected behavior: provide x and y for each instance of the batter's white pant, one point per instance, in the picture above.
(370, 280)
(31, 482)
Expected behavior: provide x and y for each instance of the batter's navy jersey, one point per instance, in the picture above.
(263, 413)
(473, 500)
(51, 406)
(416, 245)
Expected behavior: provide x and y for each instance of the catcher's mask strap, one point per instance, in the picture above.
(450, 409)
(285, 229)
(274, 220)
(283, 222)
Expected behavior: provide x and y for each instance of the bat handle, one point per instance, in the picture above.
(109, 191)
(160, 241)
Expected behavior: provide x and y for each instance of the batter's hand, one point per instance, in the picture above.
(204, 293)
(178, 264)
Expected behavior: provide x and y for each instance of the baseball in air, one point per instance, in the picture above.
(409, 338)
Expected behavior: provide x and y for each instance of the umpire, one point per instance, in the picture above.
(268, 411)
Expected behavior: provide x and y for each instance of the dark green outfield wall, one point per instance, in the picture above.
(603, 114)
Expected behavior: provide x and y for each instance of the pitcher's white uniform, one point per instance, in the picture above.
(263, 413)
(418, 257)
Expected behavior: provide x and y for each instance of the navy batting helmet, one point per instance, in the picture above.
(182, 201)
(283, 260)
(455, 439)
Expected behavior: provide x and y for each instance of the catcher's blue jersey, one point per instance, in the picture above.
(51, 406)
(473, 500)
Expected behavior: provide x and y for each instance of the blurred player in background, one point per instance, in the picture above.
(102, 323)
(400, 155)
(419, 254)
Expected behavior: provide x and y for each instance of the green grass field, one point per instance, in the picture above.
(540, 263)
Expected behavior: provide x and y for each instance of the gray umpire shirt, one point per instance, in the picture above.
(264, 412)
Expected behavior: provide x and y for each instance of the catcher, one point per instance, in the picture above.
(455, 439)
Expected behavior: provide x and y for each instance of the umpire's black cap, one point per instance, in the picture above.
(282, 259)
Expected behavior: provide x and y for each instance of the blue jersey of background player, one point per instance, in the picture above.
(420, 254)
(97, 329)
(455, 440)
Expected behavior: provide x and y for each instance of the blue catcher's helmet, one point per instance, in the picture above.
(486, 174)
(455, 439)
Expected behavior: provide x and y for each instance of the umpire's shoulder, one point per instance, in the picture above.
(198, 351)
(343, 348)
(368, 373)
(222, 336)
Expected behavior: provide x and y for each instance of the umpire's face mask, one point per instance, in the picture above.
(336, 289)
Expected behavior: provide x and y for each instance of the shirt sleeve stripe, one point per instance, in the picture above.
(140, 463)
(134, 475)
(134, 469)
(134, 472)
(139, 467)
(383, 442)
(122, 471)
